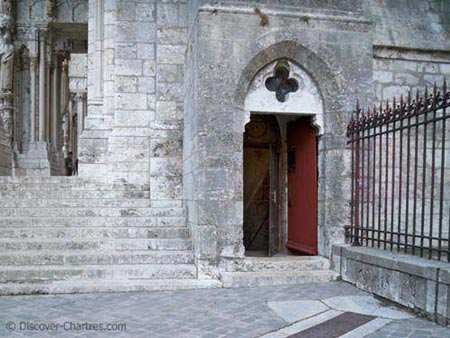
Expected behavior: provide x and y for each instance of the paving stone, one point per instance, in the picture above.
(214, 313)
(293, 311)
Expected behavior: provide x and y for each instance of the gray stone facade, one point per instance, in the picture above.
(157, 119)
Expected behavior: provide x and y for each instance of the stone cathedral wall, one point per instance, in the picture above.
(165, 78)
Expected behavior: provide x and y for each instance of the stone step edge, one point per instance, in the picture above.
(114, 267)
(65, 252)
(82, 240)
(240, 274)
(100, 227)
(76, 226)
(95, 228)
(107, 286)
(272, 278)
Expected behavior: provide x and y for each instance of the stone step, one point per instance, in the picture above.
(156, 221)
(30, 274)
(97, 286)
(111, 244)
(41, 257)
(270, 278)
(71, 186)
(70, 182)
(72, 194)
(281, 263)
(88, 212)
(48, 233)
(74, 203)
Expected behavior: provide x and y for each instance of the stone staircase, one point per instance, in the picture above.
(74, 234)
(282, 270)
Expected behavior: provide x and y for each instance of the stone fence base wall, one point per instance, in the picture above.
(419, 284)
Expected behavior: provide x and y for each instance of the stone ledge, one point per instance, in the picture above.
(420, 284)
(412, 265)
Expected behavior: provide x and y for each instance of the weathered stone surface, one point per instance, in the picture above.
(411, 281)
(168, 98)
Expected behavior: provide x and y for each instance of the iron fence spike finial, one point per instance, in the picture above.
(444, 86)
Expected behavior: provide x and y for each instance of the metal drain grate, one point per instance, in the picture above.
(336, 326)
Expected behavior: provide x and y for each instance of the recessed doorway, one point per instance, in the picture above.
(280, 186)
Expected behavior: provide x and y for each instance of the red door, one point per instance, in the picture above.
(302, 187)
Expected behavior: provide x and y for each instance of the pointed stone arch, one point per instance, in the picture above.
(307, 64)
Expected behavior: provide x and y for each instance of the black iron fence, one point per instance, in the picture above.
(401, 175)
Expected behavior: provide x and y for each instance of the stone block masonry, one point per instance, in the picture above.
(393, 77)
(417, 283)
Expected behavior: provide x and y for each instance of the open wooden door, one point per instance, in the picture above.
(302, 187)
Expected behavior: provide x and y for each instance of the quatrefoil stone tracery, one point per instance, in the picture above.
(280, 83)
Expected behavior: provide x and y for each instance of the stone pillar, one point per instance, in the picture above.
(65, 103)
(33, 62)
(42, 85)
(48, 104)
(81, 99)
(55, 108)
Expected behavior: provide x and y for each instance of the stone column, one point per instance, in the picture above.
(55, 107)
(81, 98)
(42, 84)
(48, 104)
(64, 103)
(33, 62)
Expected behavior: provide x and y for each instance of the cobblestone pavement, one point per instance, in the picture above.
(209, 313)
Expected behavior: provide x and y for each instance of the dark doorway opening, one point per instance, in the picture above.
(261, 200)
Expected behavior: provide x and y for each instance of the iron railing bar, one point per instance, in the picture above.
(362, 185)
(380, 174)
(408, 163)
(416, 155)
(424, 177)
(393, 176)
(357, 153)
(373, 181)
(433, 166)
(386, 187)
(400, 177)
(395, 233)
(441, 187)
(367, 185)
(352, 206)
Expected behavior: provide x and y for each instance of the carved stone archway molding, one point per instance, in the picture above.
(303, 100)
